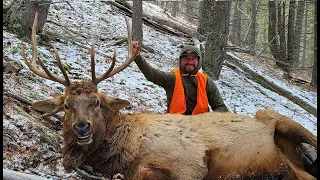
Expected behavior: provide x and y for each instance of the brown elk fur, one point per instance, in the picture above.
(207, 146)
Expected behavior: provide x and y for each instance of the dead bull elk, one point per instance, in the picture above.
(164, 146)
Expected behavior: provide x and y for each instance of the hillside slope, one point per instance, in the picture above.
(32, 144)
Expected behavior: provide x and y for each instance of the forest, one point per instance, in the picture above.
(261, 54)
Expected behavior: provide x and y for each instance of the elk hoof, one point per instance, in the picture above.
(118, 176)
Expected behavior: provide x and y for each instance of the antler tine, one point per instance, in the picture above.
(93, 70)
(33, 66)
(125, 64)
(57, 57)
(131, 56)
(93, 66)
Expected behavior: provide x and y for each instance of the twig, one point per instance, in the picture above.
(267, 45)
(34, 172)
(85, 175)
(51, 159)
(6, 134)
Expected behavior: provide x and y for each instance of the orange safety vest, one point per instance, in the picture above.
(178, 101)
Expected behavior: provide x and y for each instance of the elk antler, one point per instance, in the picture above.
(33, 66)
(110, 72)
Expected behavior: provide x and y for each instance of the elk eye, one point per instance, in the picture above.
(66, 107)
(97, 105)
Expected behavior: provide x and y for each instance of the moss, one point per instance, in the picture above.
(67, 67)
(48, 139)
(151, 85)
(21, 111)
(33, 161)
(15, 48)
(32, 78)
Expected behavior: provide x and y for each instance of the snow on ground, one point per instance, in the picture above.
(244, 96)
(105, 25)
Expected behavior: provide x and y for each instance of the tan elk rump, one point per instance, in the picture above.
(164, 146)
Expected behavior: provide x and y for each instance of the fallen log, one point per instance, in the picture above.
(259, 78)
(14, 175)
(160, 24)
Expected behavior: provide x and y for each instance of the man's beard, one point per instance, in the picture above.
(187, 69)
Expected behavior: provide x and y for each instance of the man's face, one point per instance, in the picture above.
(189, 63)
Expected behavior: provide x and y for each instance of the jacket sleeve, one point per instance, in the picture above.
(163, 79)
(214, 97)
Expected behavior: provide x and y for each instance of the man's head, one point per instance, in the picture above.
(190, 60)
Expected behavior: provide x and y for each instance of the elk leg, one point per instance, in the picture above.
(312, 169)
(309, 155)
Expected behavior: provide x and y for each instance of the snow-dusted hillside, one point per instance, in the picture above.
(106, 25)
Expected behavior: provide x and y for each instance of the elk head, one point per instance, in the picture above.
(85, 108)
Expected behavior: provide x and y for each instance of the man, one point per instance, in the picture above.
(188, 91)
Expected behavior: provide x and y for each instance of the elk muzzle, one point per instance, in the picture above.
(83, 130)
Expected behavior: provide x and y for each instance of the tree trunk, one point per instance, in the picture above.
(291, 20)
(251, 41)
(314, 71)
(175, 7)
(137, 33)
(216, 41)
(235, 34)
(297, 34)
(163, 4)
(203, 27)
(282, 31)
(19, 17)
(272, 35)
(304, 48)
(189, 11)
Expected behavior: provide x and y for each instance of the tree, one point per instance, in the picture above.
(235, 34)
(304, 48)
(272, 33)
(18, 17)
(174, 9)
(282, 31)
(251, 38)
(217, 31)
(163, 4)
(190, 10)
(276, 33)
(314, 71)
(203, 26)
(291, 20)
(137, 33)
(297, 34)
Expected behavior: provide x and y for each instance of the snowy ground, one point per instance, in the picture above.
(105, 25)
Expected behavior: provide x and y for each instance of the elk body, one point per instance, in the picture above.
(207, 146)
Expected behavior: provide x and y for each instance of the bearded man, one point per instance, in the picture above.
(188, 91)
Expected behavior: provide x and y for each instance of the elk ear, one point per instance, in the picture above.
(112, 103)
(49, 106)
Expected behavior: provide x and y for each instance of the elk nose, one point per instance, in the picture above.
(82, 127)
